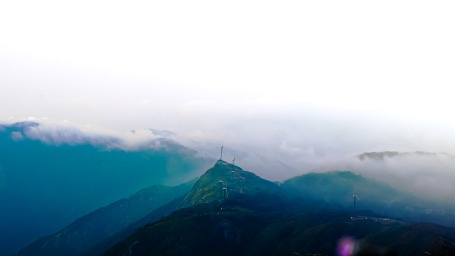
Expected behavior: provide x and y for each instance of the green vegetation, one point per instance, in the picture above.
(230, 211)
(210, 186)
(338, 187)
(88, 231)
(272, 220)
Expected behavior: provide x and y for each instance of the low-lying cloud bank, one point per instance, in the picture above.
(282, 149)
(428, 175)
(67, 134)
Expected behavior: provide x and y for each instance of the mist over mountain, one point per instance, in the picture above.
(49, 176)
(53, 174)
(429, 175)
(338, 189)
(425, 174)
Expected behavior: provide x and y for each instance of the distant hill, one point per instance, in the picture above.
(427, 175)
(337, 188)
(47, 182)
(390, 154)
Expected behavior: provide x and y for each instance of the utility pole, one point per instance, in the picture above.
(221, 158)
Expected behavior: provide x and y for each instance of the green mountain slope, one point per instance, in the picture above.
(227, 180)
(151, 217)
(272, 220)
(230, 211)
(338, 188)
(260, 225)
(97, 226)
(240, 185)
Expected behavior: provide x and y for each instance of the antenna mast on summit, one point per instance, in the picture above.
(233, 161)
(355, 197)
(221, 158)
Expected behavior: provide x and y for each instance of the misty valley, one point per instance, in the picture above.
(64, 192)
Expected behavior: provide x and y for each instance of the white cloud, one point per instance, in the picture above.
(268, 149)
(296, 83)
(59, 135)
(429, 176)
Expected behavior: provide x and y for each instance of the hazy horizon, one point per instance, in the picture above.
(291, 82)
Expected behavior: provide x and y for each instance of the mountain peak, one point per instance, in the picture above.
(225, 180)
(227, 166)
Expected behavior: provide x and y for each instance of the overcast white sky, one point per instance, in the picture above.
(296, 78)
